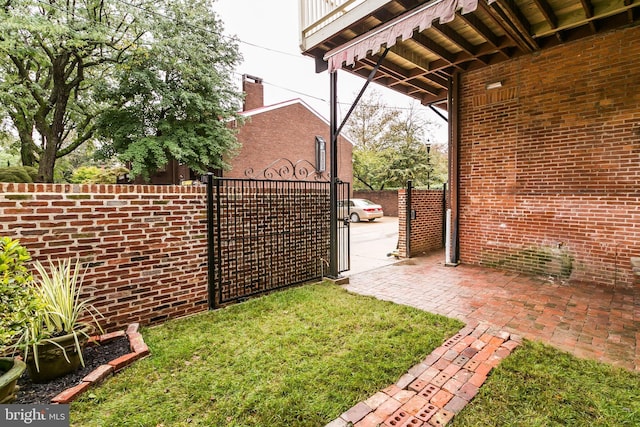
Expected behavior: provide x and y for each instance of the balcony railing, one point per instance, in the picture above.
(320, 19)
(317, 14)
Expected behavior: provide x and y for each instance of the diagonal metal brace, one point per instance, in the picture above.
(372, 74)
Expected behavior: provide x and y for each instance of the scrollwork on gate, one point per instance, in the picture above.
(285, 169)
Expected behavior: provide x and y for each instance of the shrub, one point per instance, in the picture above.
(96, 175)
(15, 174)
(32, 171)
(17, 299)
(57, 290)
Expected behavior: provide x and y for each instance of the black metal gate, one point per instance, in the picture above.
(344, 232)
(268, 234)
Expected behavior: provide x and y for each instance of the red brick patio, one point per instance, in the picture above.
(499, 308)
(587, 320)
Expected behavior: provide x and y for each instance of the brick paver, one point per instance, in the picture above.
(588, 320)
(500, 308)
(435, 401)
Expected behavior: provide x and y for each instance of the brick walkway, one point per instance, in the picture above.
(433, 391)
(499, 307)
(587, 320)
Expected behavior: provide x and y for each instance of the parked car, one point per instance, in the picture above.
(359, 209)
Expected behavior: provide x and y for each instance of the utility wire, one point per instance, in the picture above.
(230, 38)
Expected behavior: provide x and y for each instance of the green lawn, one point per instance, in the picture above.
(299, 357)
(538, 385)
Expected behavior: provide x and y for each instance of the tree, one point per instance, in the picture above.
(174, 99)
(9, 155)
(57, 58)
(391, 147)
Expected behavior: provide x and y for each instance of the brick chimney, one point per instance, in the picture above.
(253, 92)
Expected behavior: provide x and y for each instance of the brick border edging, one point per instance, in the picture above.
(440, 386)
(138, 350)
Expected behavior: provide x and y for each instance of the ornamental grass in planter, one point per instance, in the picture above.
(17, 305)
(53, 341)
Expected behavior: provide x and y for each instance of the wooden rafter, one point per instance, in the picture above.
(511, 14)
(434, 47)
(399, 74)
(474, 22)
(508, 30)
(547, 12)
(455, 38)
(587, 7)
(432, 78)
(630, 12)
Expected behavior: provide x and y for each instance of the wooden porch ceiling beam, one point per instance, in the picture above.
(433, 99)
(388, 82)
(400, 75)
(509, 11)
(415, 58)
(383, 15)
(630, 12)
(474, 22)
(587, 7)
(455, 38)
(547, 12)
(434, 47)
(384, 81)
(434, 78)
(496, 18)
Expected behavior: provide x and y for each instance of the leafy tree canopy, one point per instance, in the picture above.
(151, 79)
(393, 146)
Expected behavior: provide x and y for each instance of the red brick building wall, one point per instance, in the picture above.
(550, 162)
(286, 131)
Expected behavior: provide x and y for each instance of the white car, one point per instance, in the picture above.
(360, 209)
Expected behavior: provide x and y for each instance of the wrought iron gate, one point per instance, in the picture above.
(344, 231)
(269, 234)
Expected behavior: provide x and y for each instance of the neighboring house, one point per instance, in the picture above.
(544, 112)
(277, 142)
(280, 140)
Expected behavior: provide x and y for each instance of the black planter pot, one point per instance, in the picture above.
(51, 358)
(12, 369)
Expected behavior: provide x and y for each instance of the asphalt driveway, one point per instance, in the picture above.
(370, 244)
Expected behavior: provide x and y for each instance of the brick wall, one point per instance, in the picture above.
(427, 228)
(388, 199)
(145, 247)
(550, 162)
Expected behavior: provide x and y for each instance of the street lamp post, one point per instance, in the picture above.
(428, 167)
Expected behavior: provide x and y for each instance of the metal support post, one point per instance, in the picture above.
(333, 190)
(211, 276)
(409, 215)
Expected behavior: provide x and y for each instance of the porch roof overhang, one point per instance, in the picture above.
(431, 40)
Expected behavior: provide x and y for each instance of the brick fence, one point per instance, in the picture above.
(388, 199)
(427, 227)
(144, 247)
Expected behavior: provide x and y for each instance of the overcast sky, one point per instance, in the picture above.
(269, 31)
